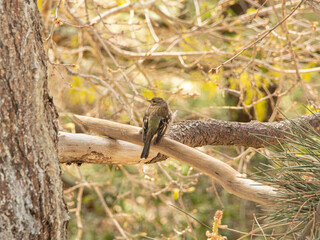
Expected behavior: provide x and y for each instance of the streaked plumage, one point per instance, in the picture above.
(155, 123)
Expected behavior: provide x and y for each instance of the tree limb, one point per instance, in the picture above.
(229, 178)
(196, 133)
(81, 148)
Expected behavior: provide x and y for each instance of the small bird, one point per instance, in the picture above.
(155, 122)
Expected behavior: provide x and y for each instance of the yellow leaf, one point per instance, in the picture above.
(121, 2)
(251, 10)
(257, 79)
(147, 93)
(125, 118)
(76, 81)
(261, 109)
(249, 94)
(39, 3)
(90, 98)
(244, 78)
(74, 41)
(311, 108)
(233, 83)
(176, 193)
(83, 96)
(196, 75)
(266, 82)
(306, 77)
(211, 88)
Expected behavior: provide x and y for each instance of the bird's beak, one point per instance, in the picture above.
(149, 100)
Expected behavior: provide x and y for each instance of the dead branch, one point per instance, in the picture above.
(82, 148)
(229, 178)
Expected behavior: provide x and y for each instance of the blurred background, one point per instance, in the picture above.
(107, 57)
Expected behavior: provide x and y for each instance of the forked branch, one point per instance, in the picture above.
(229, 178)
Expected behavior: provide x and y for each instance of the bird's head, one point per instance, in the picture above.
(157, 101)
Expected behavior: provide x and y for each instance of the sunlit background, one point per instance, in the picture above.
(107, 57)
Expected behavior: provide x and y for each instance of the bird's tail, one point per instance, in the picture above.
(146, 148)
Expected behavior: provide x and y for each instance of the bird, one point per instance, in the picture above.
(155, 123)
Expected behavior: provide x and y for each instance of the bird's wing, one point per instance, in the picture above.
(163, 127)
(145, 127)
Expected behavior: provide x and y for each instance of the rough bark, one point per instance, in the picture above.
(82, 148)
(225, 133)
(216, 132)
(31, 200)
(231, 180)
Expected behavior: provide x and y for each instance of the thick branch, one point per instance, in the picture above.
(196, 133)
(229, 178)
(82, 148)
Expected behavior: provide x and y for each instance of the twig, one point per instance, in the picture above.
(315, 220)
(261, 229)
(146, 55)
(78, 209)
(109, 213)
(54, 22)
(121, 8)
(262, 36)
(198, 15)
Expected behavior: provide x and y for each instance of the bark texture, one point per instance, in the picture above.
(231, 180)
(197, 133)
(31, 200)
(82, 148)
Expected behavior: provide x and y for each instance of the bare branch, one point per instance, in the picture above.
(229, 178)
(146, 55)
(82, 148)
(262, 36)
(315, 4)
(123, 7)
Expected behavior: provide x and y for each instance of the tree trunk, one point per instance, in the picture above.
(31, 199)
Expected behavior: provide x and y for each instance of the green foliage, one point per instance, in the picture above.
(295, 172)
